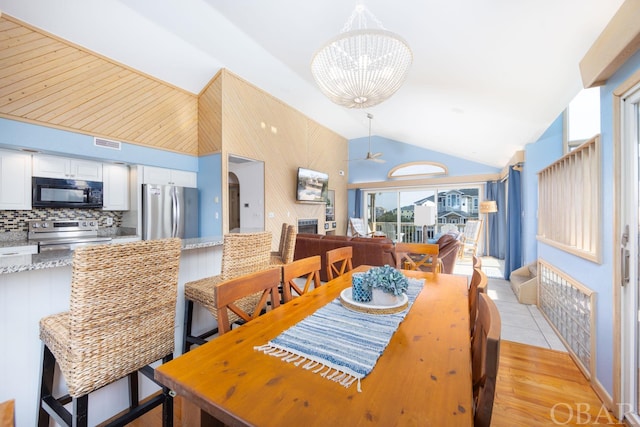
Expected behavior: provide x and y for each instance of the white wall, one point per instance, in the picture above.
(251, 178)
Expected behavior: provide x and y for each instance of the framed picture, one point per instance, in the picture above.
(326, 225)
(330, 207)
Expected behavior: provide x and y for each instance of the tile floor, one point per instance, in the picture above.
(521, 323)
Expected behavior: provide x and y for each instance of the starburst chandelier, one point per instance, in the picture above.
(362, 66)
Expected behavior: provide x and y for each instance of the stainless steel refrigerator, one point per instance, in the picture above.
(169, 211)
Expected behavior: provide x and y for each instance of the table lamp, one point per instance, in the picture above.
(424, 215)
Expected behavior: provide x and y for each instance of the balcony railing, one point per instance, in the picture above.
(409, 232)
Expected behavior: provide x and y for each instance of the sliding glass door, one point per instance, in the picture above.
(630, 247)
(393, 213)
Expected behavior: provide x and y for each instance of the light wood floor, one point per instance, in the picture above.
(535, 387)
(542, 387)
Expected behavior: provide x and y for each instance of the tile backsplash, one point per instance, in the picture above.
(16, 221)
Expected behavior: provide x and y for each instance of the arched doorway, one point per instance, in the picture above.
(234, 202)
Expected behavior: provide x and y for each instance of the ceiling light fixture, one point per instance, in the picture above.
(361, 67)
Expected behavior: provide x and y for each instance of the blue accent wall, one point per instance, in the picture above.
(210, 185)
(596, 276)
(546, 150)
(396, 153)
(14, 134)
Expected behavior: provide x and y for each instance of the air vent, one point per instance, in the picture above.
(105, 143)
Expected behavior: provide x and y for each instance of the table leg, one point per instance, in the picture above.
(193, 416)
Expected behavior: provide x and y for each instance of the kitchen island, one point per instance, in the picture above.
(33, 286)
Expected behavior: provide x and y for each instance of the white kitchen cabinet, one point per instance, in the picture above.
(18, 250)
(15, 180)
(66, 168)
(115, 187)
(162, 176)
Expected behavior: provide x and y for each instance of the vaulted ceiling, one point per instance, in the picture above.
(487, 78)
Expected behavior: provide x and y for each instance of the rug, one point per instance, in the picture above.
(493, 272)
(339, 344)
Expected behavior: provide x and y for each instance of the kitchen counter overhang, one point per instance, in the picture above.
(51, 259)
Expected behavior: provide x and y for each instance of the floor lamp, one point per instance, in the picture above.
(487, 207)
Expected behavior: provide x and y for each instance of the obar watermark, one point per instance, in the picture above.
(584, 414)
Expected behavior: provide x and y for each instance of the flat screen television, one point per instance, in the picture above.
(312, 186)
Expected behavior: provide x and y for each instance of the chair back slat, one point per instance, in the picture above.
(306, 268)
(479, 283)
(417, 256)
(231, 294)
(477, 261)
(485, 359)
(339, 261)
(283, 238)
(290, 244)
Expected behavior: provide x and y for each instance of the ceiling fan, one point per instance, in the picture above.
(374, 157)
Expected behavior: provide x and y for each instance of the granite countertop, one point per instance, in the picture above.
(50, 259)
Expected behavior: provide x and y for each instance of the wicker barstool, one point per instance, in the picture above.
(121, 319)
(287, 246)
(242, 253)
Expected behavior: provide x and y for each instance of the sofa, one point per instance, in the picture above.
(366, 250)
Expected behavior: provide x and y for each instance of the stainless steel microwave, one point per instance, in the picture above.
(66, 193)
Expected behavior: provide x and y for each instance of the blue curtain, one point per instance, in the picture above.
(358, 201)
(513, 259)
(497, 222)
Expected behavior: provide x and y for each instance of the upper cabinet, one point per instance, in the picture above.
(162, 176)
(15, 180)
(66, 168)
(115, 190)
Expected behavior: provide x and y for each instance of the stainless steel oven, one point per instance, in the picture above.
(65, 234)
(66, 193)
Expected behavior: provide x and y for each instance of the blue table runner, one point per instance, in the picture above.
(337, 343)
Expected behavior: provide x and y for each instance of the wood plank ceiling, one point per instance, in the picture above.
(48, 81)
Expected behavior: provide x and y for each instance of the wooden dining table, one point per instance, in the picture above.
(423, 377)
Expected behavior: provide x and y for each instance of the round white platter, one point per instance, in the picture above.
(346, 298)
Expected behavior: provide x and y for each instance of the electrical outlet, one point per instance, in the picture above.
(109, 221)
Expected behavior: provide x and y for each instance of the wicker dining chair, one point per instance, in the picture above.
(339, 261)
(287, 246)
(230, 293)
(485, 360)
(242, 253)
(418, 256)
(121, 319)
(304, 268)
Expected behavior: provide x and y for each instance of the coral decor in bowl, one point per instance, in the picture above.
(383, 286)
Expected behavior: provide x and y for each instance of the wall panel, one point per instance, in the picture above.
(48, 81)
(210, 117)
(258, 126)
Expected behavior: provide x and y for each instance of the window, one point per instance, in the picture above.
(582, 118)
(569, 202)
(418, 169)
